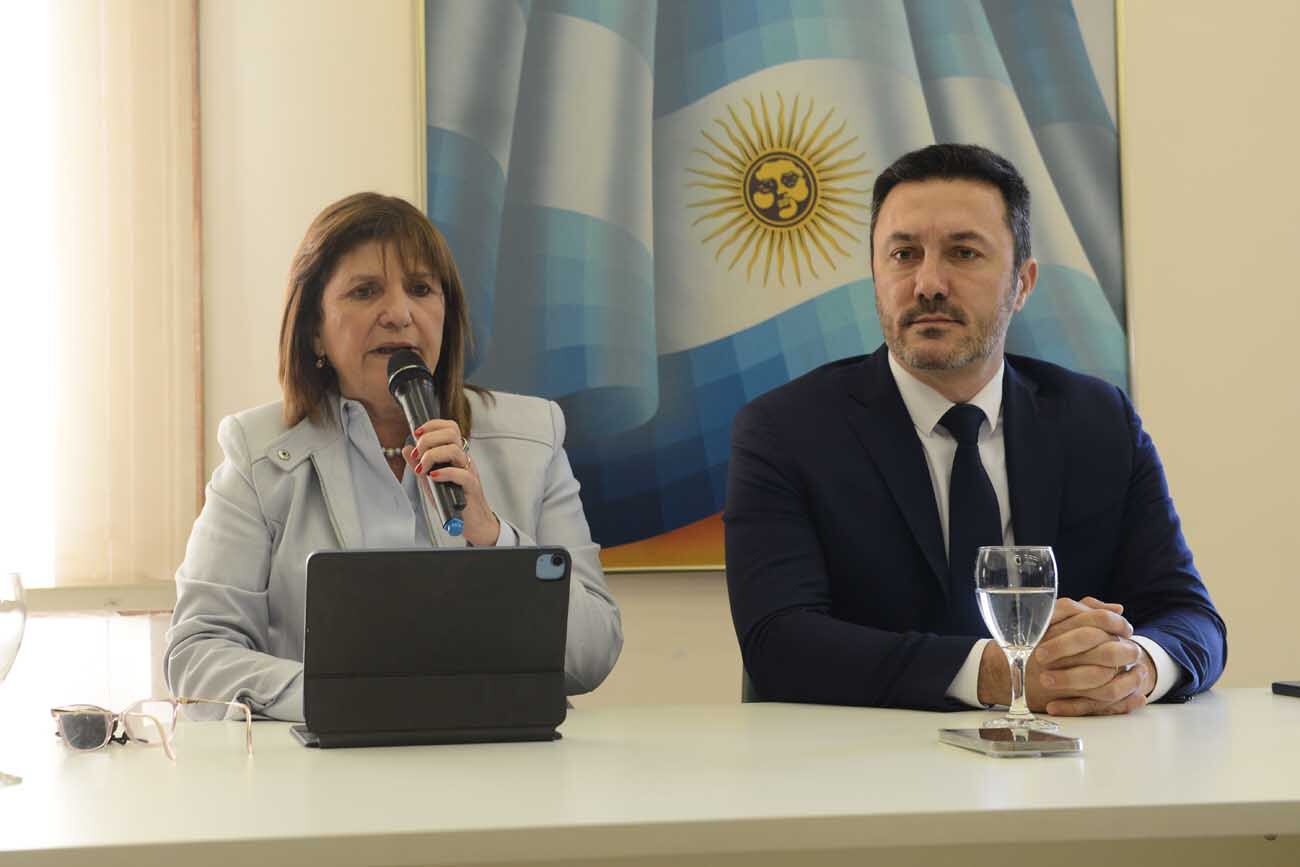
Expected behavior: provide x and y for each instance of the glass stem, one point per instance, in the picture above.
(1019, 706)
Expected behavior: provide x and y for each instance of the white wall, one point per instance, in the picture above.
(302, 102)
(1212, 185)
(305, 102)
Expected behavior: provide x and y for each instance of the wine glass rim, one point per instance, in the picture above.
(1015, 547)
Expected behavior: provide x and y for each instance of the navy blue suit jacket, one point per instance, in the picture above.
(836, 567)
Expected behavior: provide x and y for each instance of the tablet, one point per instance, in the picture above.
(434, 646)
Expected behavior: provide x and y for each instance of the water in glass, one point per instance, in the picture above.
(1016, 590)
(1017, 617)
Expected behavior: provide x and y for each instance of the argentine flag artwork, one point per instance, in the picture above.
(660, 209)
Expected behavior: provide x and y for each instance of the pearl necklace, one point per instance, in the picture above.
(392, 454)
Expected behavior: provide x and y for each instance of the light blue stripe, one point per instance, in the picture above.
(952, 38)
(1068, 322)
(1084, 164)
(671, 471)
(574, 319)
(466, 194)
(1045, 55)
(1049, 65)
(634, 20)
(701, 47)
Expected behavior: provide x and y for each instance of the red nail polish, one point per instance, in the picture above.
(418, 431)
(433, 473)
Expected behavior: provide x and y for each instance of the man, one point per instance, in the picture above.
(859, 492)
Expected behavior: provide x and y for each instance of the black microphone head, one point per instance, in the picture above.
(403, 366)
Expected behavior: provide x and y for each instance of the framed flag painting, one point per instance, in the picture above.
(659, 209)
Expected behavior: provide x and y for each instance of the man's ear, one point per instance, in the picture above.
(1026, 280)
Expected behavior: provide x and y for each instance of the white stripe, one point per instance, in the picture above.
(583, 127)
(476, 98)
(986, 112)
(1097, 26)
(698, 299)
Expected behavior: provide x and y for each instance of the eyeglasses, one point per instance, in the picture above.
(88, 727)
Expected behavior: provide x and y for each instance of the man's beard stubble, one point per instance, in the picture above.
(987, 337)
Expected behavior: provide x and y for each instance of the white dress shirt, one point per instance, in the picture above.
(926, 406)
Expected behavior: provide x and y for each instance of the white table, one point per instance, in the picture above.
(720, 785)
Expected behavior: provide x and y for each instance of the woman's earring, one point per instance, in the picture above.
(320, 361)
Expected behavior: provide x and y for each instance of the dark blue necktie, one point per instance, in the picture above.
(973, 518)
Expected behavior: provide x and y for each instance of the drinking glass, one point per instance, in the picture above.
(1016, 590)
(13, 618)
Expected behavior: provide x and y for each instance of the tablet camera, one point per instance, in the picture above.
(551, 567)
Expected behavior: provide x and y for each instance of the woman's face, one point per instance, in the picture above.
(370, 309)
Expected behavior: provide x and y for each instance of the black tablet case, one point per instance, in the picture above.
(435, 646)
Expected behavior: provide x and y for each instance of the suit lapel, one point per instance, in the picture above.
(326, 447)
(1035, 460)
(876, 412)
(331, 463)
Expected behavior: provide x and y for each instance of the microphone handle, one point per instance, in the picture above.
(434, 513)
(420, 404)
(454, 493)
(449, 498)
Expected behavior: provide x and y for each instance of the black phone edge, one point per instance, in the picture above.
(1287, 687)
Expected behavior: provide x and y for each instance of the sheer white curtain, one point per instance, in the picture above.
(104, 402)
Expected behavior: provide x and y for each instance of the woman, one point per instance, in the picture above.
(331, 465)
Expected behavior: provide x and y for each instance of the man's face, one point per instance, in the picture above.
(943, 263)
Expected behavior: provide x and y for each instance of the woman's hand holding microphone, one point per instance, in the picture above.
(442, 454)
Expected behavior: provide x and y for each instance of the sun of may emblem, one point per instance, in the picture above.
(779, 192)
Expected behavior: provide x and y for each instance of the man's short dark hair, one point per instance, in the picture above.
(961, 162)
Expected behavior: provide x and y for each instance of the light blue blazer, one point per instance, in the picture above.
(282, 493)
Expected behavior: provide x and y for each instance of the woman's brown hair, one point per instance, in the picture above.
(336, 231)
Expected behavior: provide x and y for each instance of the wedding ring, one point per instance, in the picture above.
(464, 444)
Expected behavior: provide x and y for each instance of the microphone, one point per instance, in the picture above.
(412, 386)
